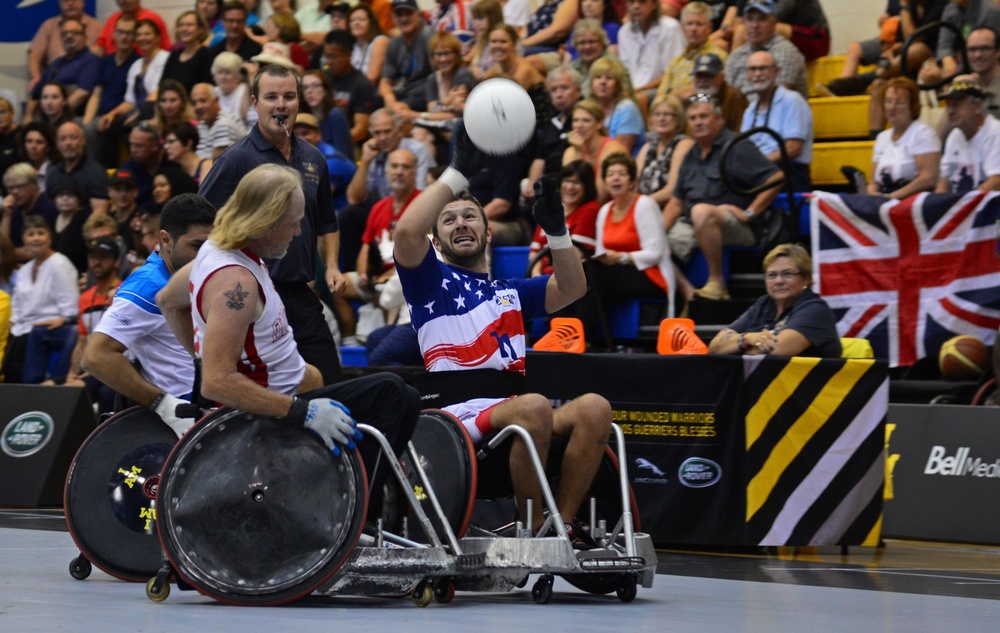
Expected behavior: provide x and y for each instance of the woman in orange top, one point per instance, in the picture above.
(632, 259)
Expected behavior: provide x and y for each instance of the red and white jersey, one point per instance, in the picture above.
(270, 357)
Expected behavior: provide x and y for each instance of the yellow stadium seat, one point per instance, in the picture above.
(856, 348)
(840, 117)
(829, 157)
(822, 70)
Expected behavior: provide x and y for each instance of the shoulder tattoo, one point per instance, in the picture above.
(236, 297)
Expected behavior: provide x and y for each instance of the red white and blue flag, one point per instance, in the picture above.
(908, 275)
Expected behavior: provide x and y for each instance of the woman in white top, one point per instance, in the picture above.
(632, 258)
(371, 43)
(143, 77)
(907, 156)
(44, 309)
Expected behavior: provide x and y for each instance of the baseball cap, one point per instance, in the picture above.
(707, 64)
(305, 118)
(67, 185)
(122, 178)
(408, 5)
(339, 7)
(964, 86)
(764, 6)
(104, 246)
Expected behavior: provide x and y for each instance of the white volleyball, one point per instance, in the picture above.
(499, 116)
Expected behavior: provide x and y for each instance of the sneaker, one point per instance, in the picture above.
(851, 86)
(351, 341)
(713, 291)
(580, 537)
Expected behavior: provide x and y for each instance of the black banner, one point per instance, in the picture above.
(944, 473)
(40, 431)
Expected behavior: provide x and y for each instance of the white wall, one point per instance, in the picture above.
(850, 20)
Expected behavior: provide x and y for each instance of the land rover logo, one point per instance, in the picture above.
(27, 434)
(698, 472)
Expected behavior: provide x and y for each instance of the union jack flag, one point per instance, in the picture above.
(908, 275)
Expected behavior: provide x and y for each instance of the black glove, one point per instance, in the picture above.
(466, 158)
(548, 209)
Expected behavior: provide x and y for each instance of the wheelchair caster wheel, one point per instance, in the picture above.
(444, 591)
(541, 592)
(80, 567)
(422, 594)
(628, 589)
(156, 590)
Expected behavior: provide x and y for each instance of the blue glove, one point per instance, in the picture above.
(332, 421)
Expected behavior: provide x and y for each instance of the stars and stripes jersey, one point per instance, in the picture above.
(465, 321)
(269, 357)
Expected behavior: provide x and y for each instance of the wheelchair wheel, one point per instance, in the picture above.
(449, 459)
(110, 494)
(253, 512)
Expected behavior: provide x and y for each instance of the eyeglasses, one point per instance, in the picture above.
(787, 275)
(665, 114)
(123, 32)
(311, 87)
(65, 33)
(759, 69)
(443, 53)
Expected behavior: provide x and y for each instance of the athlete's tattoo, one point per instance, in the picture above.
(236, 297)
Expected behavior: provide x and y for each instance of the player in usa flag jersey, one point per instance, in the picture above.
(464, 321)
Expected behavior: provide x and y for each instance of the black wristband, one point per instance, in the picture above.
(297, 413)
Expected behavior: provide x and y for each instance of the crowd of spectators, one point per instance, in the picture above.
(635, 100)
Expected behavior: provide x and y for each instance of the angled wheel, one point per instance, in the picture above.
(628, 589)
(80, 568)
(157, 591)
(444, 591)
(422, 594)
(541, 591)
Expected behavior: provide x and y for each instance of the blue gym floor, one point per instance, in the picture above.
(905, 586)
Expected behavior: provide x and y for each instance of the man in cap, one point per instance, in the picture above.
(103, 260)
(785, 112)
(123, 194)
(708, 78)
(761, 33)
(696, 23)
(134, 324)
(971, 158)
(407, 60)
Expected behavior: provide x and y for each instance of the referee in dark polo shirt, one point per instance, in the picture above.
(275, 95)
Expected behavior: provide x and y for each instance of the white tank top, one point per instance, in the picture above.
(270, 357)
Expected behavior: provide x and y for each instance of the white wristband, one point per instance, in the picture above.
(558, 242)
(454, 180)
